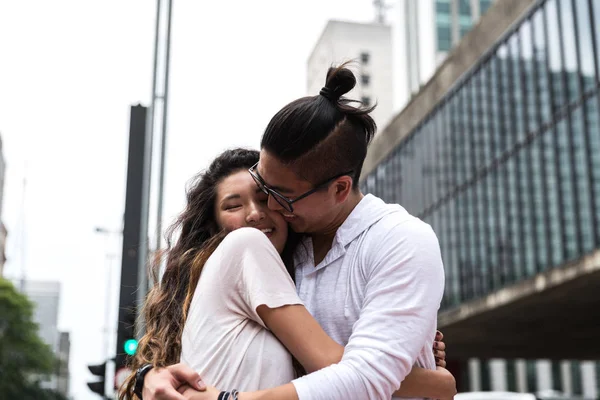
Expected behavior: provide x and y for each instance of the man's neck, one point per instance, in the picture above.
(323, 240)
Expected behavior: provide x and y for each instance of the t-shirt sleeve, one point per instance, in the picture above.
(260, 275)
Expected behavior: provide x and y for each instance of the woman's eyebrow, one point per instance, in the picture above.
(231, 196)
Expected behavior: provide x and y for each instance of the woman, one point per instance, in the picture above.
(232, 325)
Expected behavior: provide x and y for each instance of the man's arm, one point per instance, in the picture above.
(403, 294)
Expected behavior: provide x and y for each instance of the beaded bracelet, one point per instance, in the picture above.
(227, 395)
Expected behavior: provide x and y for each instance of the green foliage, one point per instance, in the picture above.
(24, 357)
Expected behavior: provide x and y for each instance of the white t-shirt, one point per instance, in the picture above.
(224, 339)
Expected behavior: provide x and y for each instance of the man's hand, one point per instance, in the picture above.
(439, 350)
(162, 383)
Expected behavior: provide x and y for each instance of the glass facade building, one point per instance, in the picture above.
(460, 13)
(506, 167)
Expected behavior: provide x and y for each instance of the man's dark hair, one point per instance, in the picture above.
(325, 135)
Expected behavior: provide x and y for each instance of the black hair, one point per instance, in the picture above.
(324, 135)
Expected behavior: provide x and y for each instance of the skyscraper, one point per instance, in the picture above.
(45, 297)
(424, 32)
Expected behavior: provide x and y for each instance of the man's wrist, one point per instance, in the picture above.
(139, 379)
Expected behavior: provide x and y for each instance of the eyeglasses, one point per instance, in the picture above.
(284, 201)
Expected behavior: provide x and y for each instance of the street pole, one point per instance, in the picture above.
(161, 182)
(107, 331)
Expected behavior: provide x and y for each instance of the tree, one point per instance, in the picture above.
(24, 358)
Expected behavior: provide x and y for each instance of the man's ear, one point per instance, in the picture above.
(343, 188)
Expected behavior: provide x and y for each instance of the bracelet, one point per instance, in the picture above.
(233, 395)
(139, 379)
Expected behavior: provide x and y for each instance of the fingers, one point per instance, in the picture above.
(439, 345)
(440, 363)
(185, 374)
(181, 389)
(439, 354)
(439, 336)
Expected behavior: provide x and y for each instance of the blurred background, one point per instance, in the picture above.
(488, 121)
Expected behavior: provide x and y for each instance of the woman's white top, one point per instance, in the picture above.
(224, 339)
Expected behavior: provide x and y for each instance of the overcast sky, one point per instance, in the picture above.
(69, 70)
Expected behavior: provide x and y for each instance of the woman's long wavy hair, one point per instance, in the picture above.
(165, 310)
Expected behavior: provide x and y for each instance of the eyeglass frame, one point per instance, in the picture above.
(278, 196)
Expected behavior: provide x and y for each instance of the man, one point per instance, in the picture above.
(370, 273)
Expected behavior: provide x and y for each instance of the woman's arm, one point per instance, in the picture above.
(302, 335)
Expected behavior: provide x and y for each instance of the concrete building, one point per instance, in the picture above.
(63, 355)
(499, 152)
(423, 32)
(45, 297)
(371, 47)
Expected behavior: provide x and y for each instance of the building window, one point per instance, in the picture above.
(598, 373)
(365, 79)
(444, 38)
(364, 57)
(531, 376)
(484, 5)
(511, 375)
(557, 381)
(443, 25)
(486, 382)
(366, 100)
(576, 377)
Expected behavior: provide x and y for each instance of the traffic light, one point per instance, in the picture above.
(130, 346)
(135, 230)
(127, 343)
(100, 371)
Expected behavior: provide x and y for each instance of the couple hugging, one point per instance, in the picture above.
(283, 281)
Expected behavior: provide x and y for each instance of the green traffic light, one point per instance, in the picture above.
(130, 346)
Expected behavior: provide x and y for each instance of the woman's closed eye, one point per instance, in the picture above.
(231, 207)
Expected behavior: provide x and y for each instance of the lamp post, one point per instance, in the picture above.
(106, 330)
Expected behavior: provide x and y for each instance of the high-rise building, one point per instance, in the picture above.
(424, 32)
(500, 153)
(45, 297)
(62, 373)
(369, 45)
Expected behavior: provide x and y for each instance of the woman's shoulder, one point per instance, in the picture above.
(242, 239)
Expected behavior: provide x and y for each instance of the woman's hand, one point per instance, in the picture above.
(162, 383)
(189, 393)
(439, 350)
